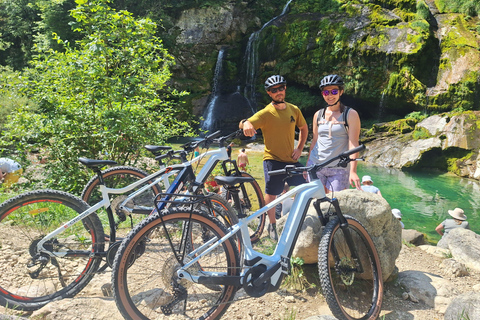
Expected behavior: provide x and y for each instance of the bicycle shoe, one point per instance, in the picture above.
(272, 231)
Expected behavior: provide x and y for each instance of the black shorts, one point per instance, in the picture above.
(274, 184)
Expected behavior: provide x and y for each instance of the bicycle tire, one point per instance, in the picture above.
(144, 271)
(350, 295)
(252, 199)
(27, 218)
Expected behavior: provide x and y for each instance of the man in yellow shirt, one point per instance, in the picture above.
(277, 122)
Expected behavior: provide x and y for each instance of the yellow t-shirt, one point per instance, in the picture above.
(278, 129)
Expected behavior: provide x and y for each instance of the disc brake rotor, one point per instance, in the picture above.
(347, 268)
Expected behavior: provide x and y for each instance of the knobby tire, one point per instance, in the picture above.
(350, 295)
(145, 282)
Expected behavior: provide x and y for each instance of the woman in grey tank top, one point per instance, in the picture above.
(336, 129)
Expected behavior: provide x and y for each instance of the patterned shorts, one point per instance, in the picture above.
(334, 179)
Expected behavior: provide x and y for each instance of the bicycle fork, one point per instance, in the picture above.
(346, 232)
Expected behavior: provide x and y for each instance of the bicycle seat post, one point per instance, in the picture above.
(235, 193)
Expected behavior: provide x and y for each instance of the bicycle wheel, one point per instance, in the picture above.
(31, 279)
(220, 208)
(350, 294)
(146, 285)
(251, 198)
(119, 177)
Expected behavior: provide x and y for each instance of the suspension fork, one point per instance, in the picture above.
(346, 231)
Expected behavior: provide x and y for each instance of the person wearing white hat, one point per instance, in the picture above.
(398, 215)
(10, 171)
(458, 221)
(367, 185)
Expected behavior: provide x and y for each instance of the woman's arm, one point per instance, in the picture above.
(354, 127)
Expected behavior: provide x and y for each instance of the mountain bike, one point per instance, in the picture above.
(250, 193)
(60, 241)
(167, 267)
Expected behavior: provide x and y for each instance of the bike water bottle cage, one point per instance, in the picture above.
(274, 81)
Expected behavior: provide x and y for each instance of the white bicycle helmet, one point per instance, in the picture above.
(274, 81)
(331, 80)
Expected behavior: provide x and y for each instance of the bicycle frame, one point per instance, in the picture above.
(278, 262)
(214, 156)
(184, 170)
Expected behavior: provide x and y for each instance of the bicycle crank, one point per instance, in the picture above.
(250, 276)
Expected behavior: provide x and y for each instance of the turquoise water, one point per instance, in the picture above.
(424, 198)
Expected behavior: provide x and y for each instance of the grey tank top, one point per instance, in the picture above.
(332, 139)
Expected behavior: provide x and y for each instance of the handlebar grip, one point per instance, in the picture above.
(277, 172)
(285, 170)
(213, 135)
(354, 150)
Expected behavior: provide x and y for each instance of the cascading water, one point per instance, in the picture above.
(210, 110)
(250, 61)
(224, 108)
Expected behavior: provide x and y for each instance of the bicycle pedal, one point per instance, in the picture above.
(285, 263)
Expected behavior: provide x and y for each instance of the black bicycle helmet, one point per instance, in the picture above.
(274, 81)
(331, 80)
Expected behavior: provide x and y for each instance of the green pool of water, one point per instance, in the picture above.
(424, 198)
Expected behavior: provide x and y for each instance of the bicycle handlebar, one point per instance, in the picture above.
(293, 170)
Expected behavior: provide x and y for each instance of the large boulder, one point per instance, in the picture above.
(464, 246)
(433, 290)
(372, 211)
(465, 306)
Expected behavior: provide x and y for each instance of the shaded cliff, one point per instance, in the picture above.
(396, 58)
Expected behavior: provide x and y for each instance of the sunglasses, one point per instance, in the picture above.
(274, 90)
(333, 92)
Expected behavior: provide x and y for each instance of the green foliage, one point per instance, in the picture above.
(395, 127)
(10, 97)
(403, 85)
(459, 97)
(17, 24)
(468, 7)
(416, 115)
(420, 133)
(423, 12)
(297, 279)
(105, 99)
(322, 6)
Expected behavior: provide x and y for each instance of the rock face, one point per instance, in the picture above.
(396, 59)
(464, 306)
(372, 211)
(464, 246)
(431, 289)
(449, 142)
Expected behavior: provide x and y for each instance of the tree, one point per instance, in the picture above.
(107, 96)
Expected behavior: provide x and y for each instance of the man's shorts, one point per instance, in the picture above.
(274, 184)
(12, 177)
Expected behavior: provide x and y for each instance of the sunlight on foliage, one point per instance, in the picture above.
(105, 97)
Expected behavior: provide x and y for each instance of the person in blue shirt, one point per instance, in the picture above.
(367, 185)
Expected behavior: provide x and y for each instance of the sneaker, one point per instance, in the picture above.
(272, 231)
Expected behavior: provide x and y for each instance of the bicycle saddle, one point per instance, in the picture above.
(230, 181)
(92, 163)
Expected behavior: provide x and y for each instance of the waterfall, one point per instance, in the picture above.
(225, 109)
(381, 107)
(250, 61)
(210, 110)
